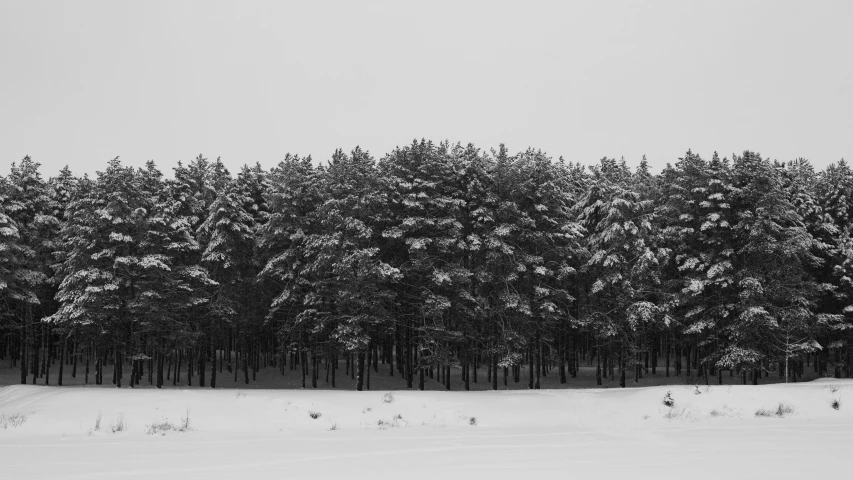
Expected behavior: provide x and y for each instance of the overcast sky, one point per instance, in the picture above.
(83, 82)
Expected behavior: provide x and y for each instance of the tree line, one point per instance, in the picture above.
(435, 259)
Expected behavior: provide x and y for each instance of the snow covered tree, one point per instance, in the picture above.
(545, 239)
(122, 270)
(699, 232)
(228, 255)
(349, 299)
(423, 234)
(32, 210)
(293, 196)
(436, 257)
(772, 251)
(16, 292)
(473, 300)
(829, 224)
(622, 264)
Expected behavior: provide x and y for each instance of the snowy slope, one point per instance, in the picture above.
(605, 433)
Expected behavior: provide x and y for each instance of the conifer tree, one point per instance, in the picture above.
(293, 196)
(422, 241)
(772, 250)
(230, 239)
(32, 209)
(622, 263)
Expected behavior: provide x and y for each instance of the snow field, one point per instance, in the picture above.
(607, 433)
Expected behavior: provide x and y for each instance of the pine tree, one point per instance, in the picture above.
(349, 301)
(16, 293)
(32, 210)
(772, 250)
(700, 234)
(293, 196)
(423, 236)
(622, 263)
(473, 299)
(230, 239)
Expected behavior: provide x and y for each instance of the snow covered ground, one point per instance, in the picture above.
(52, 433)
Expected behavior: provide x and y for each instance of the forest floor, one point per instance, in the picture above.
(273, 378)
(729, 431)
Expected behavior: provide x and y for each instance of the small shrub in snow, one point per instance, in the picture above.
(396, 421)
(784, 409)
(387, 398)
(836, 404)
(12, 420)
(833, 388)
(668, 400)
(677, 414)
(163, 426)
(240, 395)
(763, 413)
(98, 421)
(334, 427)
(159, 428)
(315, 415)
(724, 411)
(697, 391)
(472, 421)
(118, 425)
(185, 422)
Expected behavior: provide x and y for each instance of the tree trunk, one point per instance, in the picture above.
(117, 368)
(246, 367)
(530, 369)
(409, 373)
(160, 362)
(313, 370)
(787, 361)
(494, 370)
(133, 373)
(334, 367)
(421, 376)
(598, 365)
(190, 368)
(201, 366)
(537, 356)
(466, 368)
(24, 352)
(360, 377)
(36, 355)
(61, 361)
(76, 356)
(213, 370)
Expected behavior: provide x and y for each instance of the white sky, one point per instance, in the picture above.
(82, 82)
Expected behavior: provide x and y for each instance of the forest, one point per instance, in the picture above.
(436, 261)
